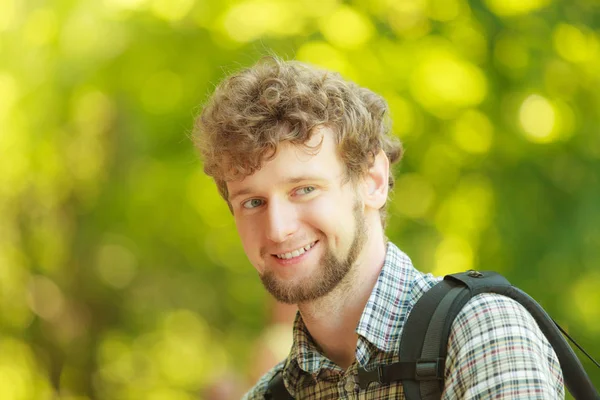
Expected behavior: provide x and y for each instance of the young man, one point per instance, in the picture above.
(302, 158)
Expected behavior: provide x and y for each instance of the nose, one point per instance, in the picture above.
(282, 220)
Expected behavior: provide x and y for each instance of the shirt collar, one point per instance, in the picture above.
(395, 293)
(304, 350)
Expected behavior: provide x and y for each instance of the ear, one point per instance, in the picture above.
(375, 191)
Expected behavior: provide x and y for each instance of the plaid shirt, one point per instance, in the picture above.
(495, 349)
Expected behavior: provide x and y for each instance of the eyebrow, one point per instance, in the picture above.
(288, 181)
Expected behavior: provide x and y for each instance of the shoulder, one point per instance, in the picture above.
(495, 316)
(257, 392)
(496, 348)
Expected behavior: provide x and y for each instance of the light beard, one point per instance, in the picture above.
(328, 276)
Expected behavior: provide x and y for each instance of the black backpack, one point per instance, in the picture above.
(423, 344)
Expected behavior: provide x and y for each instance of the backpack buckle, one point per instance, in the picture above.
(429, 369)
(474, 274)
(367, 377)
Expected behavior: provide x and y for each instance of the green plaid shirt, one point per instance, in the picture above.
(495, 349)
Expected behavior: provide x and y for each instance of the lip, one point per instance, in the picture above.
(295, 260)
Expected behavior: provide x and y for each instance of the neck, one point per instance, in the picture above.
(332, 319)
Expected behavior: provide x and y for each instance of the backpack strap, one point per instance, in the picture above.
(276, 389)
(424, 341)
(576, 379)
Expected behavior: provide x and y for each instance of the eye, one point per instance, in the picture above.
(252, 203)
(305, 190)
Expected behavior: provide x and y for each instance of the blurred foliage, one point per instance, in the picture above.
(121, 274)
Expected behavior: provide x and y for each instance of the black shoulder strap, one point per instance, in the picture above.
(423, 345)
(276, 389)
(427, 329)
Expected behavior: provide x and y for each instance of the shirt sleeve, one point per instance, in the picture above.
(496, 350)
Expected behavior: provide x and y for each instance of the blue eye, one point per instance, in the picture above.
(305, 190)
(252, 203)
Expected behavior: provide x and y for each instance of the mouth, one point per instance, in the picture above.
(295, 253)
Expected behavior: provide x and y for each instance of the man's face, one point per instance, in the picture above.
(301, 225)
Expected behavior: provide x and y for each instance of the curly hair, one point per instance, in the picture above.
(277, 101)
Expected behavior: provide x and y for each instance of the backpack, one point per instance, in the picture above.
(423, 344)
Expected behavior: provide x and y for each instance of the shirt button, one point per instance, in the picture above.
(350, 385)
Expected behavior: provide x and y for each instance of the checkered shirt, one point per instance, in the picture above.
(495, 349)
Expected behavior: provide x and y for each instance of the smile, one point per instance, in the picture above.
(295, 253)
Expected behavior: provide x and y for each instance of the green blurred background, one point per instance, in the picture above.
(121, 274)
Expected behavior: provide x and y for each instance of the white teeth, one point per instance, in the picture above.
(295, 253)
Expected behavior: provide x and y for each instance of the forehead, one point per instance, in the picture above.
(317, 158)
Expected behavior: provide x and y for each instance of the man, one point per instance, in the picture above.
(302, 158)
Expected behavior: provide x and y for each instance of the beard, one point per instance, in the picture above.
(328, 276)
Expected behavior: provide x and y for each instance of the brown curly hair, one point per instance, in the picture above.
(277, 101)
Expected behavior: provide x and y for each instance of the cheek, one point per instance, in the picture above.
(325, 213)
(334, 216)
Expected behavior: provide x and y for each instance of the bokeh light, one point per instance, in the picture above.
(538, 119)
